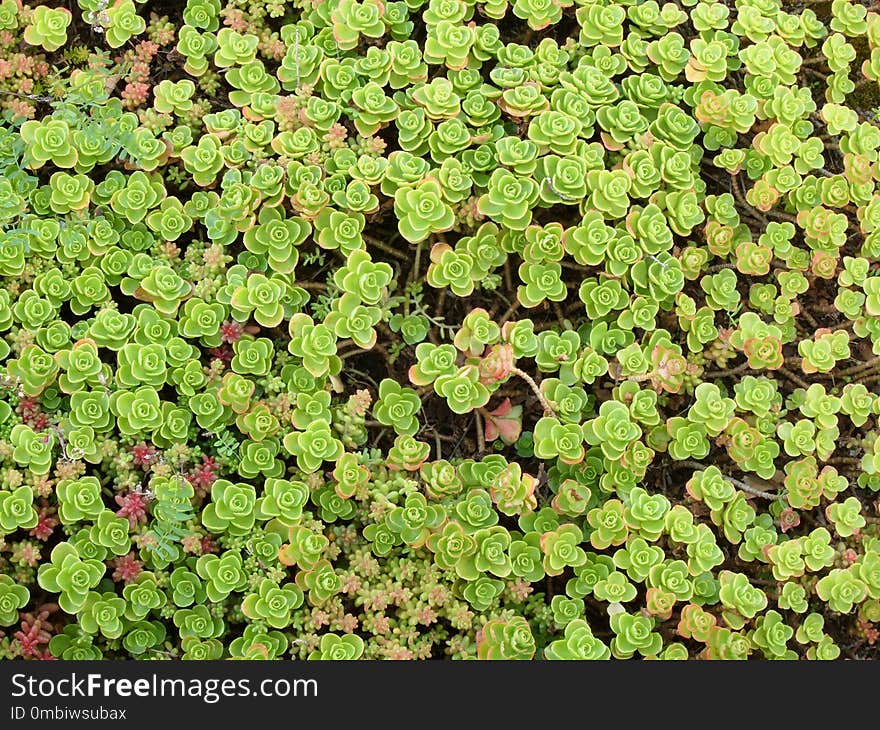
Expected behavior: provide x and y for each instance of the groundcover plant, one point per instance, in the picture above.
(543, 329)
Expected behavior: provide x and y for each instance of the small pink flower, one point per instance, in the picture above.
(144, 455)
(208, 545)
(133, 506)
(205, 474)
(426, 616)
(22, 64)
(126, 568)
(34, 633)
(192, 544)
(146, 50)
(400, 653)
(223, 354)
(231, 331)
(135, 94)
(46, 525)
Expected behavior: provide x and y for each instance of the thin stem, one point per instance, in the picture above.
(638, 378)
(731, 371)
(358, 350)
(481, 438)
(739, 194)
(719, 267)
(436, 321)
(793, 378)
(545, 404)
(779, 215)
(511, 310)
(871, 379)
(867, 364)
(573, 265)
(736, 482)
(814, 72)
(413, 273)
(751, 490)
(808, 316)
(441, 305)
(814, 60)
(314, 285)
(560, 317)
(390, 250)
(417, 263)
(32, 97)
(851, 460)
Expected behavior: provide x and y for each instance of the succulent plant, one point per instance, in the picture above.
(518, 311)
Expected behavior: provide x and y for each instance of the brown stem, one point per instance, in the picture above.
(871, 379)
(390, 250)
(638, 378)
(411, 277)
(481, 439)
(511, 310)
(814, 60)
(743, 203)
(441, 302)
(509, 392)
(724, 373)
(808, 316)
(851, 460)
(545, 404)
(866, 365)
(793, 378)
(779, 215)
(358, 350)
(573, 265)
(736, 482)
(560, 317)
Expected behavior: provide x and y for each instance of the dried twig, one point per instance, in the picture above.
(736, 482)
